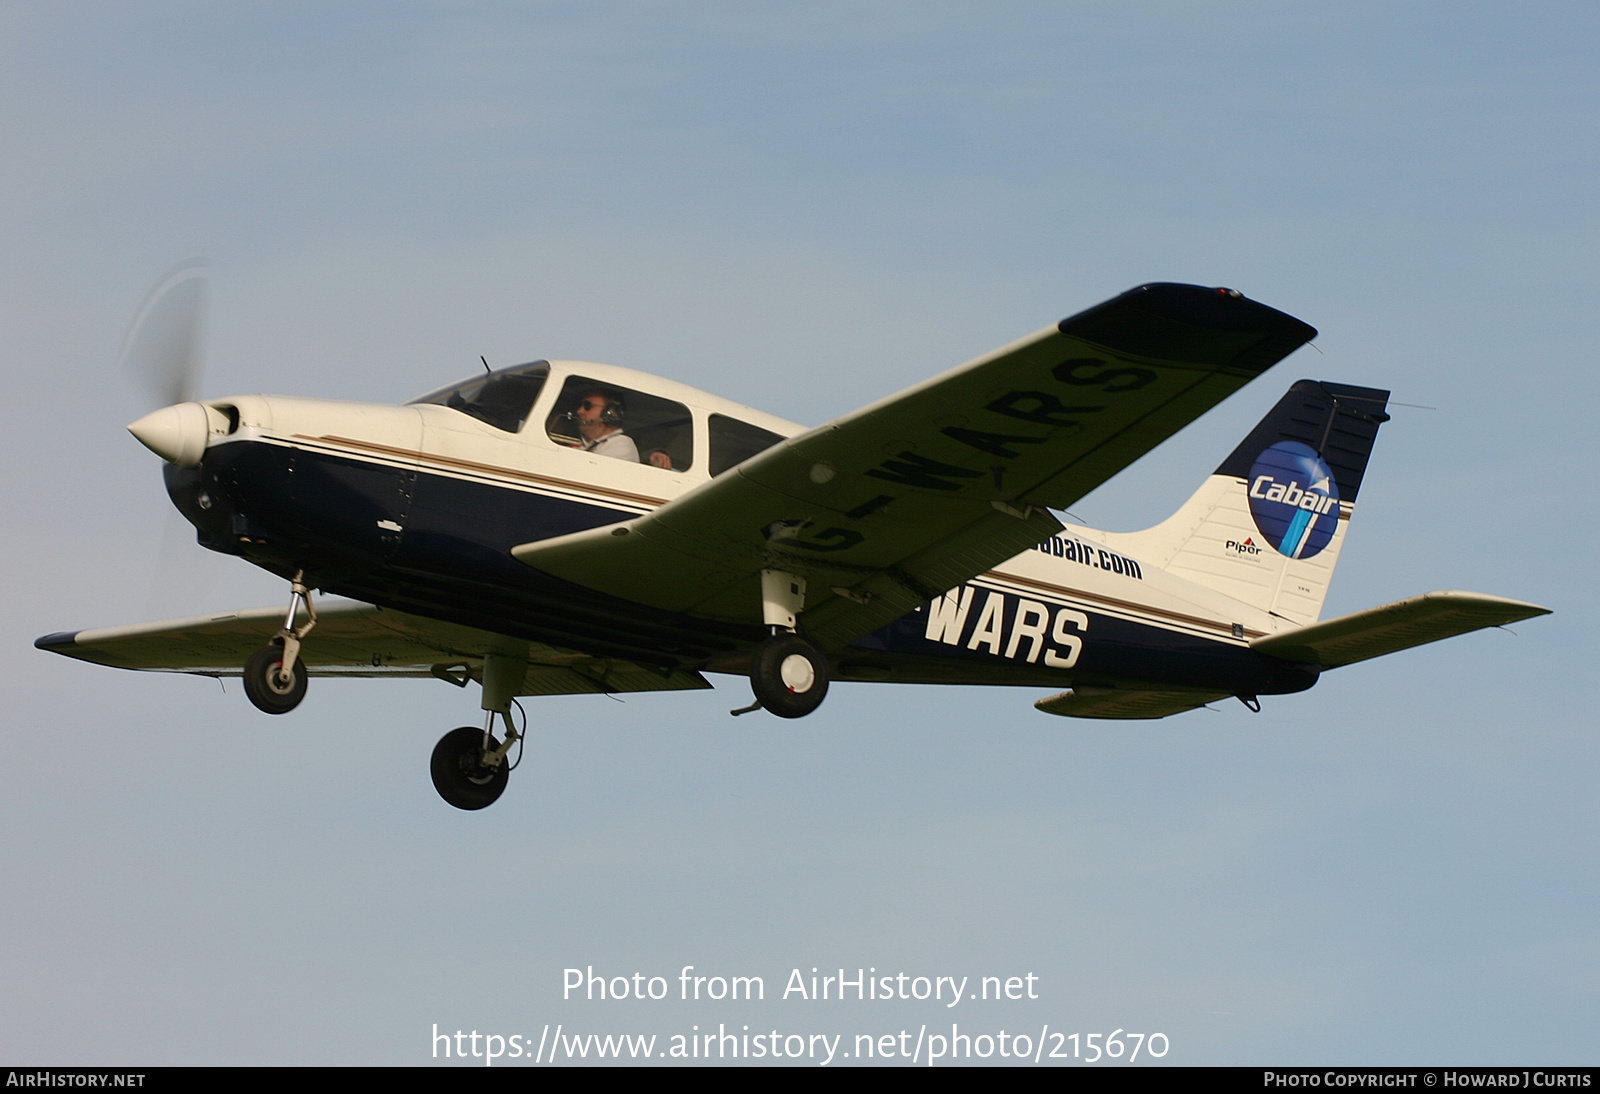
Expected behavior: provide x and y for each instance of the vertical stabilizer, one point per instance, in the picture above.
(1267, 526)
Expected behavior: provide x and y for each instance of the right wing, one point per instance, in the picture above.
(895, 503)
(354, 639)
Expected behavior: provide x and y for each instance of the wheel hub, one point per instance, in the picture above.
(474, 770)
(797, 674)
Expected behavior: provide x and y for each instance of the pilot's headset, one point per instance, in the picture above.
(616, 406)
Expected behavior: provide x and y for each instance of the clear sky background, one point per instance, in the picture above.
(805, 207)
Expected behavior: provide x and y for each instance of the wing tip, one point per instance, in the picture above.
(1224, 328)
(56, 642)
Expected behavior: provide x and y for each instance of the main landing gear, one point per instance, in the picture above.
(788, 674)
(274, 676)
(470, 766)
(462, 773)
(789, 677)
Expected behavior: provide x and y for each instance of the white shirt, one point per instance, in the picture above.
(614, 444)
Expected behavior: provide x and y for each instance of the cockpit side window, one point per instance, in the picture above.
(625, 423)
(733, 442)
(502, 398)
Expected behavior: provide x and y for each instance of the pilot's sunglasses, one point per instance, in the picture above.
(590, 404)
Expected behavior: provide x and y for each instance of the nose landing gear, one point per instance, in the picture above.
(274, 676)
(272, 688)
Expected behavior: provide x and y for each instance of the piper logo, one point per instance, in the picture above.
(1294, 499)
(1248, 547)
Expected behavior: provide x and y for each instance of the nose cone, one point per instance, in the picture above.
(177, 434)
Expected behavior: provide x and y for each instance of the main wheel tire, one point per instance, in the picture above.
(789, 677)
(459, 774)
(264, 685)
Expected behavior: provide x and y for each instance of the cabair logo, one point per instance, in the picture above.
(1293, 498)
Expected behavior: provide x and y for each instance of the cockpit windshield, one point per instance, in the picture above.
(501, 398)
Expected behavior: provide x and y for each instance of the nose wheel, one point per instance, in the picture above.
(272, 689)
(275, 677)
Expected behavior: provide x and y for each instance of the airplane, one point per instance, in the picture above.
(564, 527)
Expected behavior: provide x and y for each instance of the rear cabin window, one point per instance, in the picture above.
(733, 442)
(502, 399)
(624, 423)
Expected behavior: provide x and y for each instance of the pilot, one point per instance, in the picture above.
(599, 415)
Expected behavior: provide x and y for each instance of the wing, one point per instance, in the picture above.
(888, 507)
(353, 639)
(1390, 628)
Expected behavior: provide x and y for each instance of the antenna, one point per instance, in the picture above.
(486, 367)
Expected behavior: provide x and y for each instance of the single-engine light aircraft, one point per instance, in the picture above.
(563, 527)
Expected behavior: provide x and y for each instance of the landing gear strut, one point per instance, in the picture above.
(275, 677)
(788, 675)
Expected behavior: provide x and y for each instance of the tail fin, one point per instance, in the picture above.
(1267, 526)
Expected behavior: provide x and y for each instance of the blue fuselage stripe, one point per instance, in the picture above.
(451, 559)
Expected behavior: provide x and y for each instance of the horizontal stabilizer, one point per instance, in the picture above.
(1393, 627)
(1126, 704)
(354, 639)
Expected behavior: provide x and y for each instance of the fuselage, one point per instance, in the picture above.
(417, 507)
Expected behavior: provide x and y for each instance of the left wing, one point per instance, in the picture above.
(892, 505)
(353, 639)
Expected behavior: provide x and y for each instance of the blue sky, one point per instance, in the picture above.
(806, 207)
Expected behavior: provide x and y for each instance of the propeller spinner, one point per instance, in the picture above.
(161, 356)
